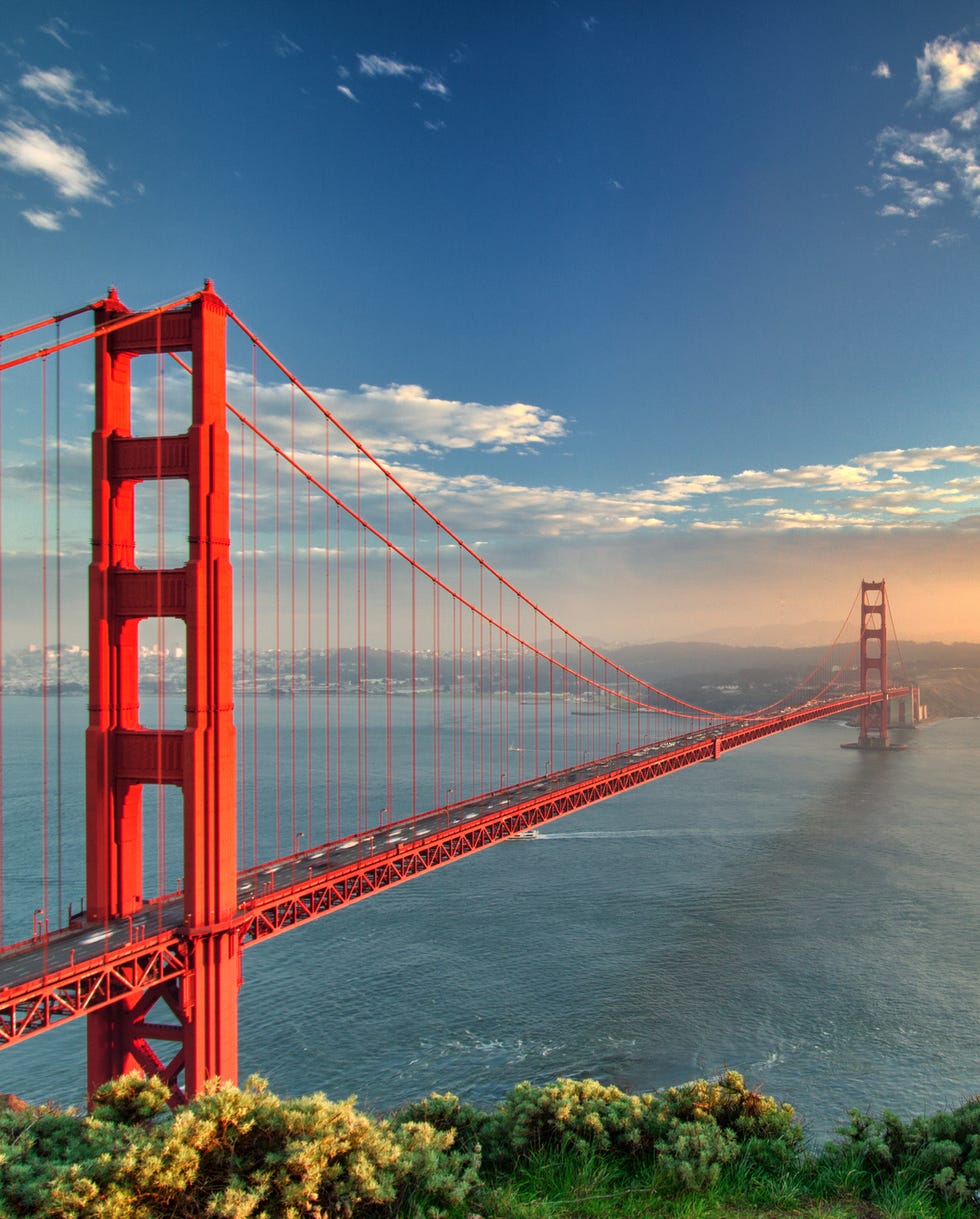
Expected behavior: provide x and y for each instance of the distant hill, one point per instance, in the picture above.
(729, 678)
(779, 635)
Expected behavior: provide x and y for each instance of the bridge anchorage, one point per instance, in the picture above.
(408, 707)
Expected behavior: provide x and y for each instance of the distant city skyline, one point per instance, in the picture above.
(670, 315)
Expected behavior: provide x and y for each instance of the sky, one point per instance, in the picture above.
(670, 309)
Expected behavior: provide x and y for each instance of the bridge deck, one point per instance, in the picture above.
(78, 969)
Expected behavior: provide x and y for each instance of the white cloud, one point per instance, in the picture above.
(407, 427)
(346, 92)
(432, 84)
(30, 150)
(947, 68)
(51, 221)
(924, 169)
(406, 419)
(379, 65)
(882, 70)
(929, 458)
(59, 87)
(945, 237)
(966, 120)
(795, 518)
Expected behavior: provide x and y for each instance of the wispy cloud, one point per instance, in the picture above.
(429, 81)
(284, 46)
(923, 169)
(407, 419)
(882, 70)
(49, 221)
(56, 28)
(60, 87)
(410, 429)
(36, 148)
(929, 458)
(31, 150)
(380, 65)
(871, 493)
(434, 84)
(346, 92)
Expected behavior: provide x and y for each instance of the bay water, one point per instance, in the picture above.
(804, 914)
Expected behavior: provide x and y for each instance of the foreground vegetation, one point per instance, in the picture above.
(572, 1148)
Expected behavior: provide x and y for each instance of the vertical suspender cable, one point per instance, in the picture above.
(255, 612)
(309, 664)
(436, 687)
(389, 693)
(503, 759)
(161, 633)
(293, 840)
(551, 697)
(294, 833)
(327, 741)
(44, 637)
(278, 798)
(414, 670)
(476, 733)
(242, 668)
(2, 860)
(455, 737)
(537, 699)
(337, 754)
(481, 692)
(360, 645)
(365, 640)
(58, 621)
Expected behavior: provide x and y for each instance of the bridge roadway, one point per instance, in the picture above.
(75, 970)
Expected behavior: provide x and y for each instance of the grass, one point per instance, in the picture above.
(594, 1187)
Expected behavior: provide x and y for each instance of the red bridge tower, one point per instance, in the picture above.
(121, 754)
(874, 664)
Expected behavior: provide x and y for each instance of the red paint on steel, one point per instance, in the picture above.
(874, 664)
(122, 756)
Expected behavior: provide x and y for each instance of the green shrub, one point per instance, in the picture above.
(692, 1155)
(941, 1150)
(734, 1107)
(230, 1153)
(569, 1115)
(130, 1099)
(444, 1111)
(41, 1145)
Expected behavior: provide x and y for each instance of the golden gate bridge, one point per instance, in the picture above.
(303, 686)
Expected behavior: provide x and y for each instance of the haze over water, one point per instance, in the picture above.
(798, 912)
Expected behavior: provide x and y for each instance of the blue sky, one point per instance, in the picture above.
(669, 308)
